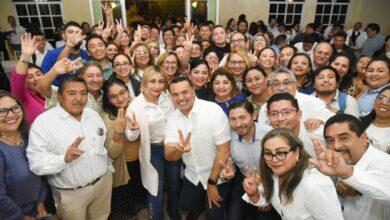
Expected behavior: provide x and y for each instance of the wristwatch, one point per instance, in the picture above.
(211, 182)
(24, 59)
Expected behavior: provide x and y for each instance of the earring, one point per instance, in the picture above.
(297, 158)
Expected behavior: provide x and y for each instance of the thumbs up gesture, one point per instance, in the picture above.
(73, 151)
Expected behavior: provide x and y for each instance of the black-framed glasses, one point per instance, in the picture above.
(284, 113)
(280, 155)
(382, 99)
(284, 84)
(14, 109)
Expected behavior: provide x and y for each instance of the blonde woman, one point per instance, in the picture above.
(141, 58)
(169, 64)
(237, 62)
(149, 110)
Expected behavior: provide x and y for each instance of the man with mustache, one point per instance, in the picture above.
(321, 55)
(358, 165)
(73, 39)
(66, 144)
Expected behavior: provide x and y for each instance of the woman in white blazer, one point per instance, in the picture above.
(295, 189)
(150, 110)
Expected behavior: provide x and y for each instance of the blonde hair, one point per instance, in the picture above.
(149, 72)
(133, 48)
(243, 53)
(162, 59)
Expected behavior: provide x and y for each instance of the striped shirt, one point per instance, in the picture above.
(51, 135)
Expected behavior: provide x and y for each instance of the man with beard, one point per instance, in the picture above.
(204, 31)
(321, 55)
(362, 170)
(326, 81)
(73, 40)
(245, 151)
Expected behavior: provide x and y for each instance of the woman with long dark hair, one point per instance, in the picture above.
(301, 66)
(342, 64)
(296, 189)
(377, 123)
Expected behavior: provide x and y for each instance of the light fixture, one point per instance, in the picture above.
(194, 4)
(113, 5)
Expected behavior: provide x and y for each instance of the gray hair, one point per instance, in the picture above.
(282, 70)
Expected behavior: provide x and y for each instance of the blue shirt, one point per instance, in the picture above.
(51, 58)
(307, 90)
(366, 102)
(372, 44)
(225, 105)
(20, 189)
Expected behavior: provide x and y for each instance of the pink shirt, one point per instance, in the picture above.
(32, 103)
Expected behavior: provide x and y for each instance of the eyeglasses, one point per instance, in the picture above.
(383, 99)
(125, 64)
(284, 113)
(281, 155)
(235, 62)
(238, 41)
(14, 109)
(141, 53)
(117, 96)
(284, 84)
(170, 63)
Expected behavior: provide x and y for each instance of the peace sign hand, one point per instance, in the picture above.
(132, 123)
(107, 9)
(187, 44)
(184, 145)
(330, 163)
(74, 40)
(251, 182)
(227, 171)
(73, 152)
(28, 45)
(253, 56)
(120, 124)
(138, 34)
(67, 66)
(119, 26)
(107, 32)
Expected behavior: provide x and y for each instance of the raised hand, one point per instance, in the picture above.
(227, 171)
(107, 9)
(253, 56)
(312, 124)
(75, 39)
(107, 32)
(251, 182)
(132, 123)
(138, 34)
(330, 163)
(73, 152)
(67, 66)
(119, 26)
(187, 44)
(120, 123)
(184, 143)
(99, 29)
(28, 45)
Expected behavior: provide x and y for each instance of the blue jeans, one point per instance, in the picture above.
(171, 171)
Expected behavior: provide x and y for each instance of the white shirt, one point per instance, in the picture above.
(156, 115)
(311, 107)
(15, 37)
(371, 177)
(51, 135)
(300, 49)
(379, 137)
(209, 127)
(314, 198)
(359, 40)
(246, 154)
(305, 136)
(39, 57)
(351, 105)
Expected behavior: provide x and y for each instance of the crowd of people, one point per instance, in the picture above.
(226, 122)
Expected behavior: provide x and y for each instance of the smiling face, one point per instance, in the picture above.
(155, 85)
(183, 96)
(341, 64)
(196, 51)
(11, 121)
(111, 51)
(285, 56)
(377, 74)
(267, 59)
(300, 65)
(94, 78)
(154, 49)
(222, 87)
(241, 121)
(282, 114)
(276, 145)
(122, 67)
(199, 76)
(322, 54)
(219, 36)
(118, 96)
(237, 65)
(382, 104)
(283, 83)
(142, 56)
(125, 40)
(259, 43)
(74, 98)
(361, 66)
(212, 59)
(96, 49)
(33, 75)
(170, 65)
(255, 82)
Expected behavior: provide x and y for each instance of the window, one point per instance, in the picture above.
(331, 11)
(45, 15)
(287, 11)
